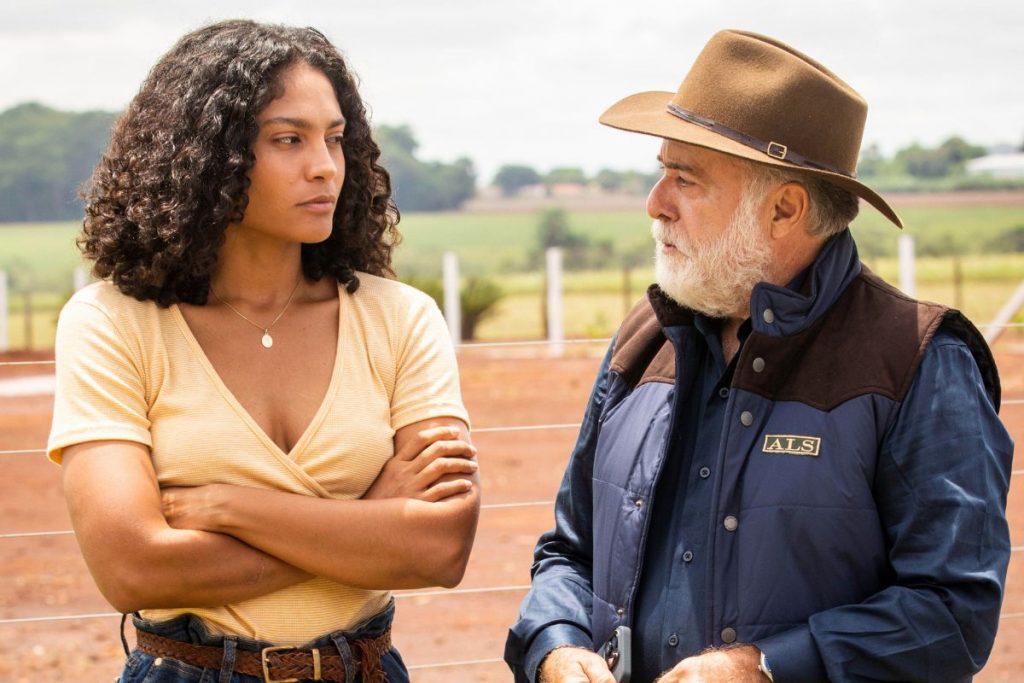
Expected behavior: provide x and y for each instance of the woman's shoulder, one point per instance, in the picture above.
(105, 297)
(384, 292)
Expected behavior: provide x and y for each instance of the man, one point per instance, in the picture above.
(788, 471)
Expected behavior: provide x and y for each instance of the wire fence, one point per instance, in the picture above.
(28, 536)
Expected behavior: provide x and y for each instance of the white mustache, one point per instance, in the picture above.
(661, 234)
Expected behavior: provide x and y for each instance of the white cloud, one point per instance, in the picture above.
(526, 81)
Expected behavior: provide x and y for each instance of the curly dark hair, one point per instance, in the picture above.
(176, 172)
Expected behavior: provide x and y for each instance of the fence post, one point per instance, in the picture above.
(81, 276)
(1005, 315)
(27, 298)
(4, 312)
(556, 333)
(452, 303)
(906, 251)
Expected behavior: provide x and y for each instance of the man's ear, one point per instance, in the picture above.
(790, 209)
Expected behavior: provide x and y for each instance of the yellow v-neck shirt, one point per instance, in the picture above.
(133, 371)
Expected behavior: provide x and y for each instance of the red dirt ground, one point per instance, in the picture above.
(45, 576)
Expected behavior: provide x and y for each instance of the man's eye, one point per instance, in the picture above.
(287, 139)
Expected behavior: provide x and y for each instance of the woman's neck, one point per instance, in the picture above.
(261, 273)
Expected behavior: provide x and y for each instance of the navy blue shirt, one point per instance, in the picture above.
(670, 603)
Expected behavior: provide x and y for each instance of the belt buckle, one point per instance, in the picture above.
(276, 648)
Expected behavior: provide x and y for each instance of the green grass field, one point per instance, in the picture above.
(41, 257)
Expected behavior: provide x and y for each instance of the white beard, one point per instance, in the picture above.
(715, 277)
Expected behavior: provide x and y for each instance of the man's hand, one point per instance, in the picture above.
(574, 665)
(433, 465)
(732, 665)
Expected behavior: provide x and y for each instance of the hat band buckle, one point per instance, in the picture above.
(775, 150)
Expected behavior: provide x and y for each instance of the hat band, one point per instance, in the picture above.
(776, 150)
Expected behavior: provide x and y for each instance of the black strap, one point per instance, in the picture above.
(773, 149)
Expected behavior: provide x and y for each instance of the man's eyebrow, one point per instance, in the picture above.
(683, 168)
(301, 123)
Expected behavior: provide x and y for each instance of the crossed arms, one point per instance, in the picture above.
(219, 544)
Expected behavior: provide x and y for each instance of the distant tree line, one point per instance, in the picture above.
(915, 167)
(511, 179)
(423, 185)
(46, 156)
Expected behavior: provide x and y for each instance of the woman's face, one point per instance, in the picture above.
(300, 164)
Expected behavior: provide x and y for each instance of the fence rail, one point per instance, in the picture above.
(28, 536)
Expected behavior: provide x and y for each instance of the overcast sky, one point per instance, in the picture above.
(524, 81)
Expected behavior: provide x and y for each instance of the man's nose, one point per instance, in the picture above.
(658, 205)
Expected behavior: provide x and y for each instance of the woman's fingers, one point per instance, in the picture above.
(413, 447)
(446, 489)
(454, 448)
(444, 466)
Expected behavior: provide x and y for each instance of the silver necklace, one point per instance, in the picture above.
(266, 340)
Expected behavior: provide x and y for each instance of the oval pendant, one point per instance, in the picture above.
(267, 340)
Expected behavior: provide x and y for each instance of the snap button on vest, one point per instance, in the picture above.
(705, 472)
(688, 556)
(768, 315)
(728, 635)
(731, 523)
(747, 418)
(758, 364)
(673, 640)
(723, 392)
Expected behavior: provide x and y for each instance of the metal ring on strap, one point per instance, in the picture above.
(773, 149)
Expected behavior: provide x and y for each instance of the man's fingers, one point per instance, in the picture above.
(597, 671)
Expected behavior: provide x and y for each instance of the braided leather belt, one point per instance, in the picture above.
(278, 664)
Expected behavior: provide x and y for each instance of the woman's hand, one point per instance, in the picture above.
(436, 463)
(194, 507)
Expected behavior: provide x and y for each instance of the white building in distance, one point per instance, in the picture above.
(998, 165)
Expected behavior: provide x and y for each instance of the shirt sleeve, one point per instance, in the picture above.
(941, 487)
(100, 391)
(427, 376)
(557, 610)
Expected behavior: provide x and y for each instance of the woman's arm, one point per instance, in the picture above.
(373, 543)
(137, 560)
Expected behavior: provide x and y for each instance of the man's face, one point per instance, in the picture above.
(711, 234)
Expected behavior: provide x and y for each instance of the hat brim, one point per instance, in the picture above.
(647, 113)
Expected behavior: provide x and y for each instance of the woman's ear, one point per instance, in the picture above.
(790, 209)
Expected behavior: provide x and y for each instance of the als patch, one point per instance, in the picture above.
(790, 444)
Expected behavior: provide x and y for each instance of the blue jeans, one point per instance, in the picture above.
(142, 667)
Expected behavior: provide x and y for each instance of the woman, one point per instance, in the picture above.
(261, 435)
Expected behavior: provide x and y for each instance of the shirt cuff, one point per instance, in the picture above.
(553, 636)
(793, 656)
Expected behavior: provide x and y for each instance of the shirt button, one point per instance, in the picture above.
(639, 503)
(747, 418)
(724, 392)
(705, 472)
(768, 315)
(673, 640)
(758, 364)
(688, 556)
(621, 611)
(731, 523)
(728, 635)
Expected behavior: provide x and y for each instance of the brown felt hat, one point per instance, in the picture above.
(757, 98)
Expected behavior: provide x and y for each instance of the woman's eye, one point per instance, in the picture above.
(287, 139)
(336, 139)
